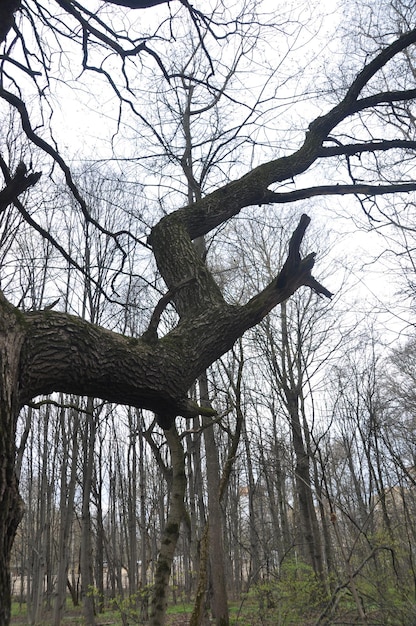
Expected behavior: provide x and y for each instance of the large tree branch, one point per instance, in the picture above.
(179, 262)
(386, 97)
(154, 375)
(371, 69)
(100, 363)
(294, 273)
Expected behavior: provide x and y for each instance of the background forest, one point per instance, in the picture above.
(300, 496)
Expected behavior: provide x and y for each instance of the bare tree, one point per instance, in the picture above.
(45, 350)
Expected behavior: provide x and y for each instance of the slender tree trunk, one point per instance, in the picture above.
(132, 504)
(99, 553)
(198, 613)
(32, 500)
(219, 601)
(86, 546)
(100, 533)
(326, 537)
(235, 534)
(191, 551)
(212, 542)
(142, 521)
(170, 535)
(112, 550)
(66, 507)
(253, 530)
(39, 546)
(309, 537)
(118, 517)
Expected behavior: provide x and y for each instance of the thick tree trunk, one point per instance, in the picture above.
(11, 506)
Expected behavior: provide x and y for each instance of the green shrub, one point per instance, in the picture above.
(291, 596)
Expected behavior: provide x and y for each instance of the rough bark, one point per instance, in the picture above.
(11, 506)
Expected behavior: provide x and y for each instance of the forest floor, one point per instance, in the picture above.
(178, 615)
(74, 618)
(246, 612)
(179, 619)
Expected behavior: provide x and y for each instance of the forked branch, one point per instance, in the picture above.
(16, 184)
(296, 272)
